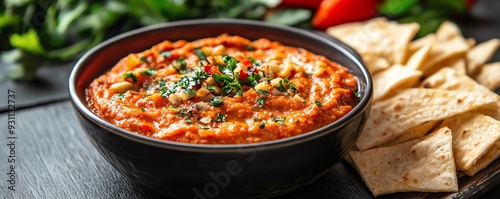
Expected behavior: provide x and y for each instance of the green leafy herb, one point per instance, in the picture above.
(262, 92)
(318, 103)
(188, 120)
(279, 121)
(216, 101)
(119, 96)
(130, 75)
(144, 60)
(281, 87)
(166, 54)
(251, 48)
(191, 92)
(180, 66)
(219, 118)
(143, 110)
(261, 101)
(262, 125)
(148, 72)
(212, 89)
(200, 54)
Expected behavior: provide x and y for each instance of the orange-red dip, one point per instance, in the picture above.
(223, 90)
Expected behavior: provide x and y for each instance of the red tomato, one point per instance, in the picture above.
(246, 62)
(311, 4)
(243, 75)
(335, 12)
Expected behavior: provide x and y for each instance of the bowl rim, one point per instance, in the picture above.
(347, 51)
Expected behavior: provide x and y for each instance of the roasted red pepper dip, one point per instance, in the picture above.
(223, 90)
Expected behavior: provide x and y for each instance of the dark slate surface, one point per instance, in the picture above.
(55, 160)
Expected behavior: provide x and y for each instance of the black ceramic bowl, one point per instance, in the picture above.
(224, 171)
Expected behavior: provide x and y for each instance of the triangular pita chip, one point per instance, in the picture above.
(396, 77)
(473, 135)
(414, 133)
(409, 108)
(485, 160)
(424, 165)
(489, 75)
(480, 54)
(375, 39)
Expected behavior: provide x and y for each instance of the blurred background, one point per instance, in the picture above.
(38, 33)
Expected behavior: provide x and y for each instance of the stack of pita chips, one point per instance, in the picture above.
(434, 111)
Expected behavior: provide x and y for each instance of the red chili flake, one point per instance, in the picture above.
(208, 69)
(243, 75)
(145, 128)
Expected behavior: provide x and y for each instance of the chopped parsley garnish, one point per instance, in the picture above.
(281, 87)
(251, 48)
(318, 103)
(279, 121)
(290, 85)
(220, 118)
(222, 79)
(118, 96)
(306, 73)
(130, 75)
(262, 92)
(212, 89)
(180, 66)
(166, 54)
(262, 125)
(293, 88)
(148, 72)
(261, 102)
(216, 101)
(253, 79)
(200, 54)
(188, 120)
(191, 92)
(144, 60)
(143, 110)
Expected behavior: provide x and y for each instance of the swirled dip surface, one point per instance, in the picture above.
(223, 90)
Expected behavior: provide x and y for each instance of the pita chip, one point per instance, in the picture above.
(480, 54)
(490, 156)
(412, 107)
(489, 75)
(450, 79)
(377, 38)
(473, 135)
(424, 165)
(396, 77)
(414, 133)
(449, 45)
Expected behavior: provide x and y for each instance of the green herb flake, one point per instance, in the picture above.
(143, 110)
(318, 103)
(188, 120)
(216, 101)
(148, 72)
(130, 75)
(220, 118)
(144, 60)
(250, 48)
(279, 121)
(281, 87)
(191, 92)
(262, 125)
(119, 96)
(261, 102)
(262, 92)
(212, 89)
(166, 54)
(200, 54)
